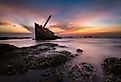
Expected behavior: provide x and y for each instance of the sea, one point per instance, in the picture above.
(95, 51)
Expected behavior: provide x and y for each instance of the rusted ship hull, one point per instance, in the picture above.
(42, 33)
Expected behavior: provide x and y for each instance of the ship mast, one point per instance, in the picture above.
(47, 21)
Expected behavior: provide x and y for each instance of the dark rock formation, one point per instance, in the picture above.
(79, 50)
(79, 73)
(52, 64)
(34, 57)
(54, 74)
(112, 69)
(82, 73)
(5, 48)
(76, 54)
(63, 47)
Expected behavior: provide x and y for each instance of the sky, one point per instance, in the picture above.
(69, 17)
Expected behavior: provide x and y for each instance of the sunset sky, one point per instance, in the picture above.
(69, 17)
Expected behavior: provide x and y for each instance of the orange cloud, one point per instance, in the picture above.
(23, 15)
(12, 28)
(55, 28)
(92, 30)
(5, 23)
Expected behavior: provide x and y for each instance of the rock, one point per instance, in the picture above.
(54, 58)
(79, 73)
(62, 46)
(76, 54)
(43, 47)
(54, 74)
(79, 50)
(40, 56)
(5, 48)
(22, 61)
(36, 56)
(51, 44)
(14, 68)
(112, 67)
(44, 56)
(82, 73)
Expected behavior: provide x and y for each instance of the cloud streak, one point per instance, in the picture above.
(67, 14)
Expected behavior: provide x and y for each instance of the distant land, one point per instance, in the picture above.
(5, 36)
(90, 37)
(98, 35)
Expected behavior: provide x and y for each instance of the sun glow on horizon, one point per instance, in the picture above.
(87, 30)
(13, 28)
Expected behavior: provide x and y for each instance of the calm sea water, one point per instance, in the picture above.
(95, 51)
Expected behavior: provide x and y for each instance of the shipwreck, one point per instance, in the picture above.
(42, 33)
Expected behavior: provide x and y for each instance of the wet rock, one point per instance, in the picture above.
(14, 68)
(54, 74)
(79, 50)
(54, 58)
(23, 59)
(5, 48)
(47, 46)
(44, 46)
(63, 47)
(78, 73)
(82, 73)
(36, 56)
(76, 54)
(51, 44)
(112, 67)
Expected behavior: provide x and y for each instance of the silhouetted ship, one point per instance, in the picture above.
(42, 33)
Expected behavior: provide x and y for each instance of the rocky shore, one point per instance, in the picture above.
(45, 57)
(16, 60)
(19, 60)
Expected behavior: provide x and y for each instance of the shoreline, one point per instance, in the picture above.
(42, 56)
(45, 57)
